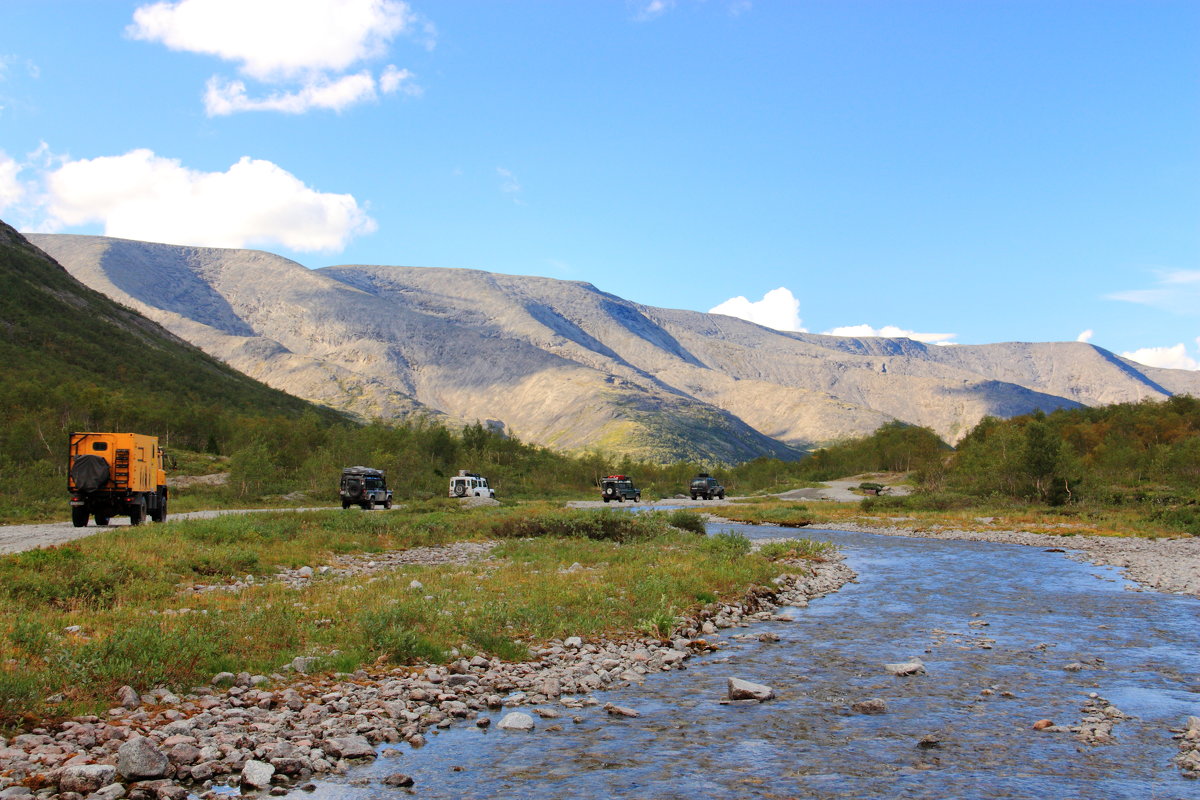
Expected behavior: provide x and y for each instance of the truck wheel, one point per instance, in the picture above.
(137, 514)
(369, 505)
(387, 503)
(620, 498)
(159, 514)
(345, 504)
(79, 516)
(101, 520)
(637, 498)
(721, 495)
(460, 490)
(605, 499)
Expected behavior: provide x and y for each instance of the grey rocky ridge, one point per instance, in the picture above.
(566, 365)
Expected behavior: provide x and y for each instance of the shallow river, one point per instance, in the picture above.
(913, 598)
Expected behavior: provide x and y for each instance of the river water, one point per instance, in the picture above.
(994, 624)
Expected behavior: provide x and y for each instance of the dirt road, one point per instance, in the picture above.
(15, 538)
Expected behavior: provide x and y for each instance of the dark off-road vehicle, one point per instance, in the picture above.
(364, 486)
(619, 488)
(706, 486)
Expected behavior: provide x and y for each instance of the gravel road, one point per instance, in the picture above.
(15, 538)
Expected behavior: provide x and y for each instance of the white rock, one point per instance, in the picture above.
(745, 690)
(516, 721)
(913, 667)
(257, 774)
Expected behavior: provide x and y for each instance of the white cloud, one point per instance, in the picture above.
(653, 9)
(308, 46)
(778, 309)
(393, 79)
(276, 39)
(224, 98)
(12, 191)
(140, 195)
(1174, 357)
(892, 332)
(1085, 336)
(509, 184)
(1178, 291)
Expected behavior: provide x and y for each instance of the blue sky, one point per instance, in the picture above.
(963, 171)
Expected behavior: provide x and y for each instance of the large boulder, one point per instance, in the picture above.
(86, 778)
(349, 747)
(139, 758)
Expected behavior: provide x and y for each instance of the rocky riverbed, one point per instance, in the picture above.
(1164, 564)
(274, 733)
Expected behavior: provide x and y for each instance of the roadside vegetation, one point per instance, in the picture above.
(121, 607)
(1127, 469)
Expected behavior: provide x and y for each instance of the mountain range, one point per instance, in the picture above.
(568, 366)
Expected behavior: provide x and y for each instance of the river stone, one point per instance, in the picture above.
(257, 774)
(114, 791)
(516, 721)
(872, 706)
(398, 779)
(86, 778)
(139, 758)
(745, 690)
(1193, 724)
(913, 667)
(621, 711)
(350, 747)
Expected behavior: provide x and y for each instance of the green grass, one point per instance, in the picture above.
(127, 590)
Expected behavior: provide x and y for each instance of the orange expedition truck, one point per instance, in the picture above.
(116, 475)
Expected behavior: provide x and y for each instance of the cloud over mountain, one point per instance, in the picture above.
(310, 54)
(254, 202)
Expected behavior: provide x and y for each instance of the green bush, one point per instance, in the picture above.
(688, 521)
(919, 501)
(600, 525)
(389, 632)
(1181, 518)
(792, 549)
(727, 544)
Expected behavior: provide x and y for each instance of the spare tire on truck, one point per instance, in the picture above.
(89, 472)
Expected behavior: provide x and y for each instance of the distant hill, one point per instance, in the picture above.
(563, 364)
(73, 358)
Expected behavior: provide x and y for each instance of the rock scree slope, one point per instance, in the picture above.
(566, 365)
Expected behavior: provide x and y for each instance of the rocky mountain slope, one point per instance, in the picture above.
(74, 357)
(566, 365)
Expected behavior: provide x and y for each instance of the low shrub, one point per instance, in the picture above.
(600, 525)
(727, 544)
(688, 521)
(793, 549)
(919, 501)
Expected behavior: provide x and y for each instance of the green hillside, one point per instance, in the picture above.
(75, 360)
